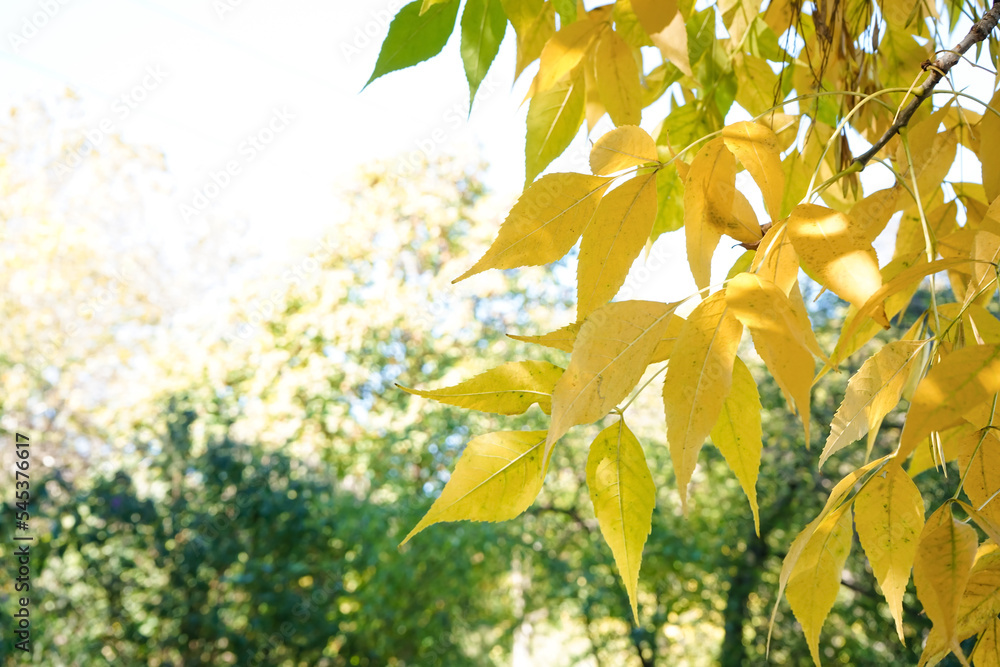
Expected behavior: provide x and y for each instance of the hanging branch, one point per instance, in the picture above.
(938, 68)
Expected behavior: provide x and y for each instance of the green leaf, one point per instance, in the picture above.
(701, 34)
(669, 202)
(566, 10)
(554, 116)
(534, 23)
(414, 37)
(761, 41)
(624, 496)
(483, 27)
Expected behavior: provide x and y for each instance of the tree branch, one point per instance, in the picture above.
(938, 68)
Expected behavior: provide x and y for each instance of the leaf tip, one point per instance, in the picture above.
(468, 274)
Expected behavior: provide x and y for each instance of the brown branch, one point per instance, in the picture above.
(938, 68)
(570, 512)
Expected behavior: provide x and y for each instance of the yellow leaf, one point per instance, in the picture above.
(837, 253)
(554, 117)
(872, 213)
(564, 52)
(979, 464)
(618, 79)
(987, 652)
(666, 344)
(795, 551)
(989, 136)
(497, 477)
(697, 382)
(665, 26)
(737, 15)
(710, 185)
(737, 434)
(763, 308)
(929, 455)
(534, 24)
(756, 92)
(611, 243)
(978, 608)
(613, 348)
(508, 389)
(986, 250)
(628, 26)
(624, 496)
(990, 527)
(889, 515)
(959, 382)
(908, 279)
(858, 328)
(560, 339)
(622, 148)
(941, 569)
(743, 225)
(815, 579)
(427, 4)
(757, 149)
(545, 222)
(804, 324)
(776, 259)
(871, 393)
(593, 105)
(933, 154)
(709, 192)
(941, 221)
(780, 15)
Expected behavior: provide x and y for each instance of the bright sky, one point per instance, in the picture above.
(201, 77)
(270, 92)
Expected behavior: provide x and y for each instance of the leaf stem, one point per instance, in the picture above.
(982, 438)
(622, 409)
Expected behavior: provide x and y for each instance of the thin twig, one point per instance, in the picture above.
(937, 69)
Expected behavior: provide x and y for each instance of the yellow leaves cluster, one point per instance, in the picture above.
(713, 207)
(587, 68)
(947, 364)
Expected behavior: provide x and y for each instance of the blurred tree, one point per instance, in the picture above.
(96, 282)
